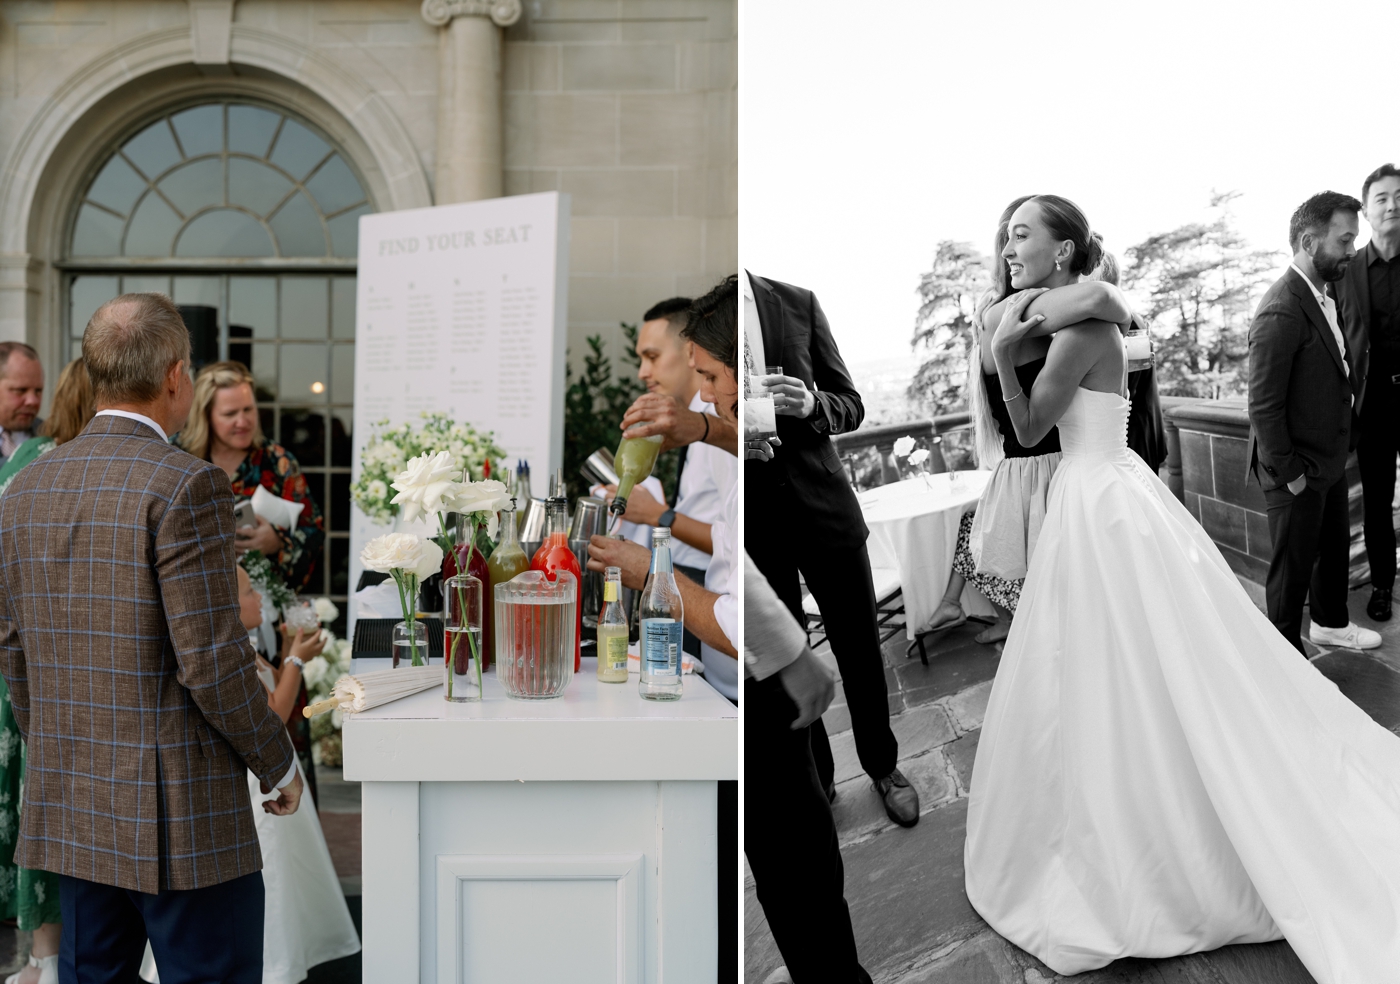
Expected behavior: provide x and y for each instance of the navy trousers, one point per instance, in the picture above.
(208, 935)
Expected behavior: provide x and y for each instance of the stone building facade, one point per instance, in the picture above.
(222, 150)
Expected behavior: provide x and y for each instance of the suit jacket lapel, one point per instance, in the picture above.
(1313, 310)
(771, 319)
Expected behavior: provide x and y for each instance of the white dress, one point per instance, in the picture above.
(306, 921)
(1159, 771)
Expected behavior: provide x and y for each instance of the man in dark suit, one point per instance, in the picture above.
(1301, 384)
(132, 679)
(1369, 305)
(801, 515)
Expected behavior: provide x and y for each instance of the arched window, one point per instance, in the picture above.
(222, 181)
(249, 218)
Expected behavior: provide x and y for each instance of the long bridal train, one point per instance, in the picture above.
(1159, 771)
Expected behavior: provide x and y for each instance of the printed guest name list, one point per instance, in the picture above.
(462, 309)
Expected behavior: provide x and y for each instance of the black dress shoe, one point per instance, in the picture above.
(1379, 606)
(901, 799)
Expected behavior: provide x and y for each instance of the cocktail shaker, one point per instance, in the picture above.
(533, 514)
(598, 468)
(590, 518)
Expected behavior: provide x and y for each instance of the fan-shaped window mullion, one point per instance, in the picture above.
(285, 207)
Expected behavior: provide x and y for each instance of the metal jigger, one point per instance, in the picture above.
(590, 518)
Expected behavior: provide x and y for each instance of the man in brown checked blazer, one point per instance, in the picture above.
(132, 678)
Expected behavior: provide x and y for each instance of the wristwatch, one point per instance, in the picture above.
(666, 518)
(298, 662)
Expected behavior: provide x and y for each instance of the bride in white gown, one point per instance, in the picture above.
(1159, 773)
(305, 920)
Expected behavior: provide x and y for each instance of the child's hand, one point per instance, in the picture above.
(301, 646)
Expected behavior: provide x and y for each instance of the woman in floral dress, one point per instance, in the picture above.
(31, 897)
(223, 428)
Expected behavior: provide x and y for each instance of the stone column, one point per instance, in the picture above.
(470, 156)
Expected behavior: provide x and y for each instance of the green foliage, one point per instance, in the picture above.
(943, 330)
(1199, 283)
(594, 404)
(265, 579)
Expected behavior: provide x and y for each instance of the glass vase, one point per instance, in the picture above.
(462, 639)
(411, 644)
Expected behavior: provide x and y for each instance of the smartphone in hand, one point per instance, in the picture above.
(243, 514)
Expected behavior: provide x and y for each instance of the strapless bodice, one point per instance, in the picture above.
(1095, 423)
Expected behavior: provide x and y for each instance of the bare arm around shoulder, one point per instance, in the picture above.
(1090, 352)
(1091, 300)
(195, 568)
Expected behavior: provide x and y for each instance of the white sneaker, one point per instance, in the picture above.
(1351, 637)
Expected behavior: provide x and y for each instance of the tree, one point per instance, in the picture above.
(593, 407)
(943, 329)
(1198, 284)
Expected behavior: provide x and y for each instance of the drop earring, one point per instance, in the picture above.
(1057, 265)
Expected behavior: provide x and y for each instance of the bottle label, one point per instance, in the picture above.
(661, 646)
(616, 656)
(610, 591)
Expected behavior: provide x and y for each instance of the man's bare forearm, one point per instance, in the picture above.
(700, 616)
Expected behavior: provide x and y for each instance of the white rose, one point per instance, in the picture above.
(429, 559)
(326, 610)
(394, 552)
(918, 457)
(424, 483)
(487, 496)
(314, 672)
(903, 446)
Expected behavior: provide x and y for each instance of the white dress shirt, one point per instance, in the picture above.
(142, 418)
(753, 328)
(722, 577)
(1329, 312)
(772, 637)
(709, 474)
(139, 417)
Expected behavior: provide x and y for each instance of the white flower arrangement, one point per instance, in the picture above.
(320, 676)
(391, 449)
(407, 559)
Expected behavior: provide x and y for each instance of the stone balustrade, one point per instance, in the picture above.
(882, 437)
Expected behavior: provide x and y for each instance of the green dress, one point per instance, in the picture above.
(30, 896)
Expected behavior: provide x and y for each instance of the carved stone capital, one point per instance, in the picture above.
(503, 13)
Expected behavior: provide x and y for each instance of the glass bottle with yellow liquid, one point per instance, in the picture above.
(635, 458)
(612, 630)
(506, 561)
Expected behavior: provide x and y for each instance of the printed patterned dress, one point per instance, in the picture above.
(31, 897)
(275, 469)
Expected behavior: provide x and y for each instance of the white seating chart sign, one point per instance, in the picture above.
(462, 309)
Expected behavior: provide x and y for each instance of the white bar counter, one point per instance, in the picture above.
(571, 839)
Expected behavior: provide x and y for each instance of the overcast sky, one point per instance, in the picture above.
(871, 131)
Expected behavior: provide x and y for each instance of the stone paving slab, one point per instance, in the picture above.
(912, 920)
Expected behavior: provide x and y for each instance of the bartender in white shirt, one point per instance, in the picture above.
(705, 474)
(711, 605)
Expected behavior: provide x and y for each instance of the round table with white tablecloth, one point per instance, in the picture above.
(914, 530)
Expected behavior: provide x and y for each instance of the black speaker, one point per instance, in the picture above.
(202, 322)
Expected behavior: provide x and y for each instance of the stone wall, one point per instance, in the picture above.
(1213, 437)
(630, 107)
(1209, 445)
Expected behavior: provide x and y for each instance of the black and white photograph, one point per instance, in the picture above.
(1071, 369)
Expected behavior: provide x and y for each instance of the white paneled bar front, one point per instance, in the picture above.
(542, 841)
